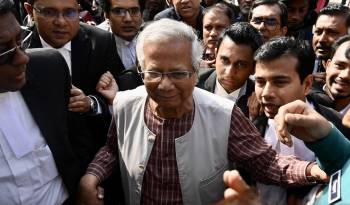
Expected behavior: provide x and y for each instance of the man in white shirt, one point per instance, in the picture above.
(124, 19)
(37, 164)
(283, 74)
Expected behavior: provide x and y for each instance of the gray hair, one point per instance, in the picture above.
(165, 29)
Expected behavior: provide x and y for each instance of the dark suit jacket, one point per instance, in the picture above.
(93, 52)
(46, 94)
(207, 81)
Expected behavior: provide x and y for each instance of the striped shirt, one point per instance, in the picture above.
(161, 180)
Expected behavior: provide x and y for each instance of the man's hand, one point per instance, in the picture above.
(254, 107)
(78, 101)
(238, 192)
(346, 119)
(317, 173)
(107, 87)
(90, 193)
(302, 121)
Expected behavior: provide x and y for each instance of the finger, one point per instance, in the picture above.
(319, 174)
(77, 98)
(75, 92)
(230, 194)
(235, 181)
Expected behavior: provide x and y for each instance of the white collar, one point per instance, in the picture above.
(235, 95)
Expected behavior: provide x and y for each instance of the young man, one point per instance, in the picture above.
(234, 64)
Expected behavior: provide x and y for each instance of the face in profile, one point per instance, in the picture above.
(13, 60)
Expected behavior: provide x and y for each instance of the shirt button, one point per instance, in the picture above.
(141, 167)
(151, 138)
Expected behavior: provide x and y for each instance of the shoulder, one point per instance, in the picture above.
(167, 13)
(204, 76)
(93, 33)
(207, 99)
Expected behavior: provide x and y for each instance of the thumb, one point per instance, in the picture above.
(319, 174)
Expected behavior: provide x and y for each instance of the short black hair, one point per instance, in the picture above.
(223, 8)
(7, 6)
(333, 9)
(282, 46)
(338, 43)
(282, 6)
(106, 5)
(242, 33)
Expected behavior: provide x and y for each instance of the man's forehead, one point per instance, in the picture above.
(266, 10)
(9, 27)
(57, 4)
(125, 3)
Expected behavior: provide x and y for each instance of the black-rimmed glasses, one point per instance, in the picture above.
(121, 12)
(50, 13)
(7, 56)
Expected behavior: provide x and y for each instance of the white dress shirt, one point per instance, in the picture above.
(272, 194)
(29, 178)
(234, 96)
(65, 51)
(126, 51)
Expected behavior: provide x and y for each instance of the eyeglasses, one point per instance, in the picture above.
(7, 56)
(50, 13)
(174, 76)
(270, 23)
(121, 12)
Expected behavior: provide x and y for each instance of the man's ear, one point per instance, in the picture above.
(307, 84)
(284, 30)
(29, 9)
(328, 63)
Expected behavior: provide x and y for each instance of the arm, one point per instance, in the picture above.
(99, 169)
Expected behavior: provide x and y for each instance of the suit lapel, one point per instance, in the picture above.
(81, 48)
(210, 83)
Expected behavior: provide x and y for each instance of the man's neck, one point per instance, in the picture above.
(192, 21)
(340, 104)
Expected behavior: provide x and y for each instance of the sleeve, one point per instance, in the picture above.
(106, 159)
(248, 149)
(330, 159)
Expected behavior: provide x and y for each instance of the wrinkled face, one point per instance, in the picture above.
(59, 30)
(297, 10)
(214, 23)
(187, 9)
(12, 70)
(326, 31)
(338, 72)
(245, 5)
(266, 19)
(234, 64)
(278, 83)
(168, 56)
(126, 26)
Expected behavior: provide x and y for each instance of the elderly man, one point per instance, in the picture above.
(124, 21)
(270, 17)
(37, 163)
(165, 135)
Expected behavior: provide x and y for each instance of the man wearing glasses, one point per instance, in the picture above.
(173, 141)
(89, 52)
(125, 19)
(270, 17)
(37, 165)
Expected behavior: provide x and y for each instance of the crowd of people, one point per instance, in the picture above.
(174, 102)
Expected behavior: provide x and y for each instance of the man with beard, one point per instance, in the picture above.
(301, 18)
(244, 6)
(332, 22)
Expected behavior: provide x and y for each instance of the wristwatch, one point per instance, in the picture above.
(93, 104)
